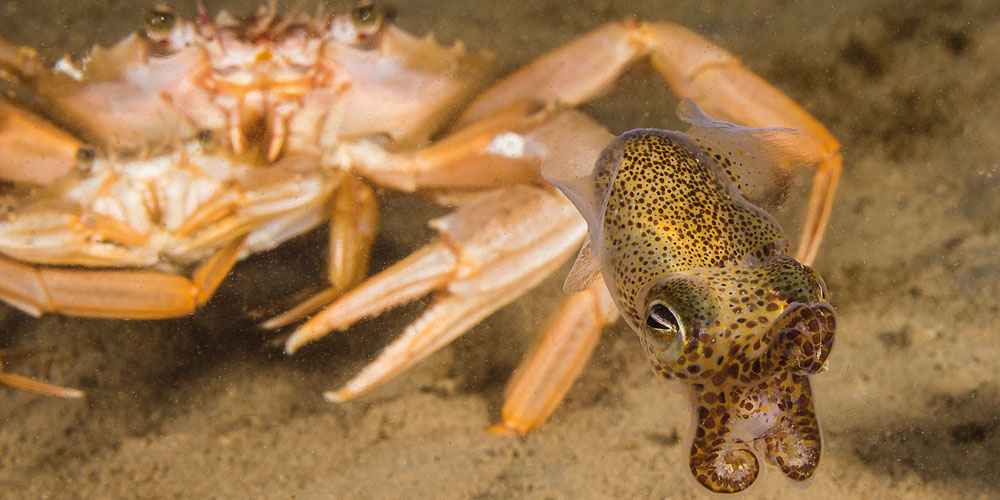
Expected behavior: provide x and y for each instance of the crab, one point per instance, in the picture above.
(198, 142)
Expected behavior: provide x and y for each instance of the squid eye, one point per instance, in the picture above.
(661, 319)
(160, 22)
(366, 17)
(663, 331)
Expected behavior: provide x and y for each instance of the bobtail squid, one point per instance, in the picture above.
(701, 273)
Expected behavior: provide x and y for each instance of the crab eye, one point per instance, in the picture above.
(85, 159)
(205, 136)
(366, 17)
(160, 22)
(206, 140)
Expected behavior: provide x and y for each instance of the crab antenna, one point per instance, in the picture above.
(265, 16)
(278, 114)
(289, 17)
(235, 131)
(203, 14)
(296, 8)
(206, 23)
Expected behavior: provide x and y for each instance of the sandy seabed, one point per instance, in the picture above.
(203, 407)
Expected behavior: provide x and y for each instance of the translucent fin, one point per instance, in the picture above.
(585, 270)
(570, 166)
(759, 161)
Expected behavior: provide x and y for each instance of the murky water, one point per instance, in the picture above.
(203, 406)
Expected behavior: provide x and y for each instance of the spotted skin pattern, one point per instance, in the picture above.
(703, 276)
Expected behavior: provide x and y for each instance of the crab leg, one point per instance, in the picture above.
(19, 62)
(547, 373)
(694, 67)
(476, 274)
(27, 139)
(472, 157)
(353, 225)
(505, 148)
(491, 251)
(483, 154)
(114, 293)
(26, 384)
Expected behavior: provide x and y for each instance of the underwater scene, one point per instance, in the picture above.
(805, 329)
